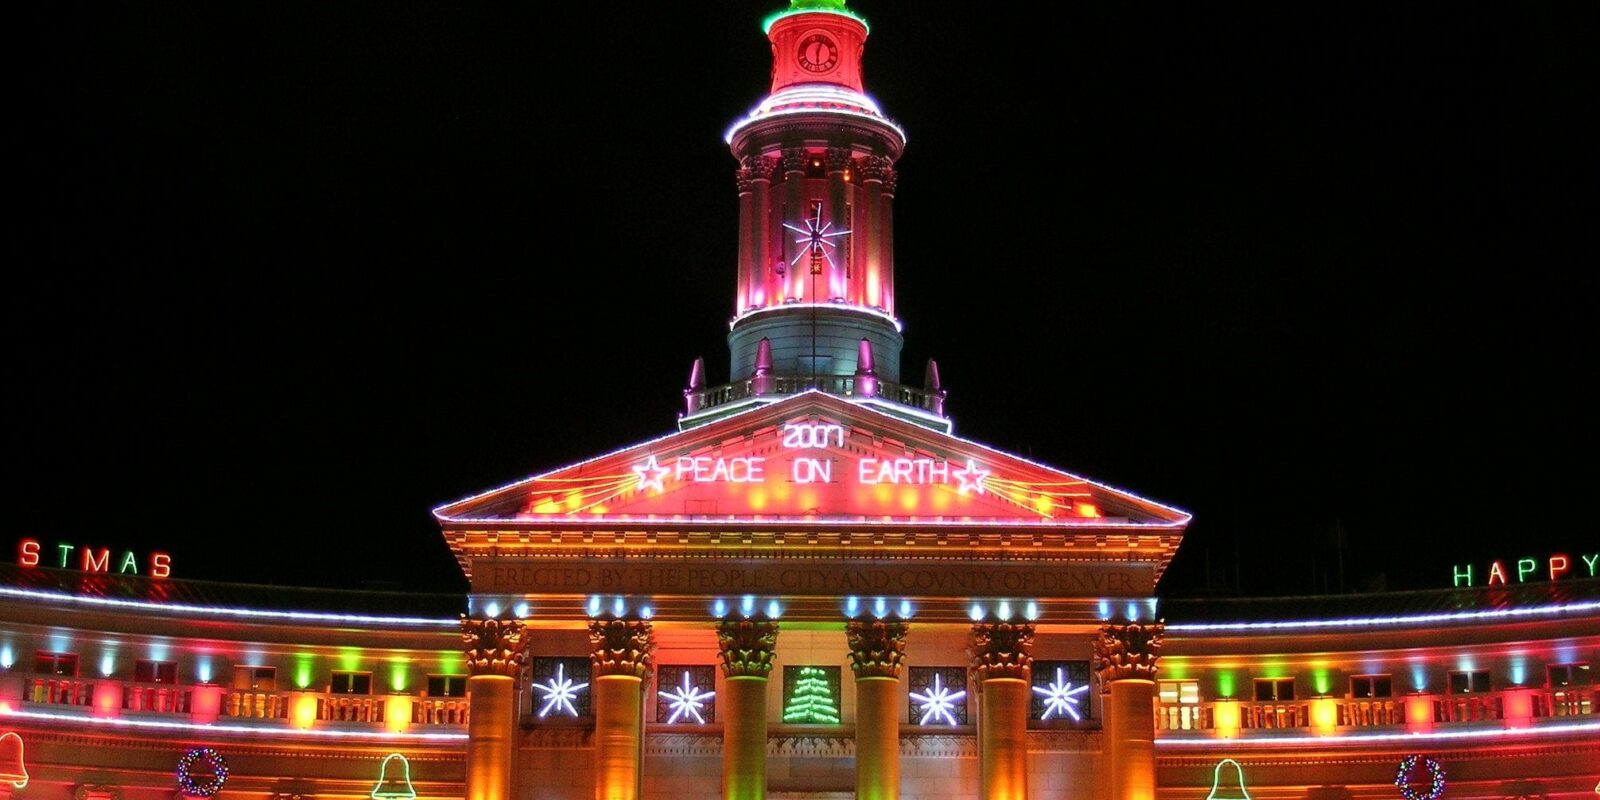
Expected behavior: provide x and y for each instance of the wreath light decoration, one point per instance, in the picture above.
(214, 760)
(1408, 765)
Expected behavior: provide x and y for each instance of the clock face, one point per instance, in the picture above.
(818, 53)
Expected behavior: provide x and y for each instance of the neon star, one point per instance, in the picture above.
(938, 703)
(650, 474)
(1060, 697)
(686, 700)
(559, 692)
(813, 238)
(971, 477)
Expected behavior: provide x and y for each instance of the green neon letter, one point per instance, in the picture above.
(1459, 575)
(1525, 566)
(1591, 562)
(66, 550)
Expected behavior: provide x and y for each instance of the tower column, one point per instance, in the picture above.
(746, 647)
(1002, 664)
(496, 654)
(877, 656)
(1125, 656)
(620, 662)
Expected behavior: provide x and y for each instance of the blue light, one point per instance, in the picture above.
(905, 609)
(1004, 612)
(160, 650)
(520, 609)
(202, 669)
(774, 610)
(594, 605)
(7, 656)
(1105, 610)
(852, 606)
(108, 663)
(719, 608)
(646, 612)
(492, 609)
(1133, 612)
(1519, 671)
(1419, 678)
(880, 608)
(618, 607)
(1031, 610)
(976, 612)
(747, 605)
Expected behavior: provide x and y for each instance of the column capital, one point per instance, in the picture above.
(877, 647)
(794, 159)
(839, 159)
(1001, 650)
(1127, 650)
(747, 647)
(621, 647)
(752, 169)
(494, 646)
(874, 168)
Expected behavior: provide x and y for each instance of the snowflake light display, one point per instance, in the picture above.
(558, 693)
(813, 238)
(938, 703)
(687, 700)
(1060, 696)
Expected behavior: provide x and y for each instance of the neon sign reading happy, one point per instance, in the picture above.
(653, 472)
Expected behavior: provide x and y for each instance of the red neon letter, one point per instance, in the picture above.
(93, 564)
(160, 565)
(1497, 573)
(1559, 565)
(28, 553)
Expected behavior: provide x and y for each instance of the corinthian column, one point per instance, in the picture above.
(496, 654)
(1125, 656)
(877, 656)
(747, 647)
(1002, 664)
(619, 662)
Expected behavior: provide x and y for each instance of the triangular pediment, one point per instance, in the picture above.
(810, 458)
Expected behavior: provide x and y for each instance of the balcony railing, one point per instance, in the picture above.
(58, 691)
(832, 384)
(1240, 717)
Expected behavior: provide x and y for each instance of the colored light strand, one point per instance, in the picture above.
(1369, 738)
(249, 730)
(1404, 778)
(213, 761)
(228, 611)
(1368, 622)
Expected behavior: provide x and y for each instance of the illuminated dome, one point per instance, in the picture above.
(815, 98)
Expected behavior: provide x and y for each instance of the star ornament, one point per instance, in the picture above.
(814, 237)
(971, 477)
(1060, 696)
(938, 703)
(650, 474)
(558, 693)
(686, 701)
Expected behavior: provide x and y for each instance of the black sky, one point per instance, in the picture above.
(285, 276)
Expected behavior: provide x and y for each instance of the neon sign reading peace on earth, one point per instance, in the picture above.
(653, 473)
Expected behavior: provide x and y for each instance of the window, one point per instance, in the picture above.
(351, 683)
(56, 664)
(1271, 690)
(447, 686)
(938, 696)
(560, 687)
(255, 679)
(1367, 687)
(1469, 682)
(1179, 692)
(811, 695)
(1060, 692)
(686, 695)
(1561, 675)
(155, 671)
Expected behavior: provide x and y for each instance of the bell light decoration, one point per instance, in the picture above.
(394, 779)
(11, 769)
(1227, 782)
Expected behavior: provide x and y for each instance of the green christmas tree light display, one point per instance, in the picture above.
(812, 702)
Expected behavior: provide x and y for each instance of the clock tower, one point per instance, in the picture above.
(814, 297)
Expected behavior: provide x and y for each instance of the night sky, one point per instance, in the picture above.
(285, 276)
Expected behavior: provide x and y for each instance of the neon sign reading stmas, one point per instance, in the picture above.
(921, 471)
(92, 559)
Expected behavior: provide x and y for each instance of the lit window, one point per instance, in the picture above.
(1469, 682)
(938, 696)
(1367, 687)
(686, 695)
(255, 679)
(1568, 675)
(560, 687)
(811, 695)
(155, 671)
(351, 683)
(56, 664)
(1179, 692)
(1060, 693)
(1270, 690)
(447, 686)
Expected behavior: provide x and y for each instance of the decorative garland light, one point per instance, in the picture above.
(1408, 765)
(219, 772)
